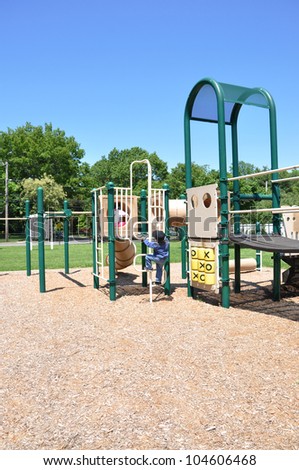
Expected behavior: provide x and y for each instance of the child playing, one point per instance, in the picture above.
(160, 255)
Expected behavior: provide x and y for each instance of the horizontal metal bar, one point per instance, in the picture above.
(13, 218)
(255, 197)
(260, 173)
(279, 210)
(100, 277)
(285, 179)
(98, 189)
(81, 212)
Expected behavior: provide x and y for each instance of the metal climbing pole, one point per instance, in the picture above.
(111, 240)
(166, 224)
(28, 251)
(41, 239)
(143, 198)
(94, 210)
(66, 238)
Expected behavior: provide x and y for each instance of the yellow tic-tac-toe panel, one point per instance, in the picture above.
(208, 254)
(194, 263)
(210, 279)
(210, 267)
(203, 265)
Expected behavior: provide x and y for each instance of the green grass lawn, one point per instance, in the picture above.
(13, 258)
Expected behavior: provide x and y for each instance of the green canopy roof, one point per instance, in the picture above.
(205, 97)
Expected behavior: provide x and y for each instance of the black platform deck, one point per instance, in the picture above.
(272, 243)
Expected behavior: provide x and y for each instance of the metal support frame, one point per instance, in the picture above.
(27, 236)
(166, 229)
(94, 210)
(152, 201)
(41, 215)
(111, 240)
(41, 239)
(66, 228)
(222, 120)
(143, 199)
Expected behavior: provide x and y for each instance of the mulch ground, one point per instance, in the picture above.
(81, 372)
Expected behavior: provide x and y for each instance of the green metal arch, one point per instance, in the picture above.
(219, 90)
(220, 97)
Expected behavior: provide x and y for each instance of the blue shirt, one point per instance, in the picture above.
(160, 250)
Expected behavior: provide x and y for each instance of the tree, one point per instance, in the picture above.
(53, 193)
(200, 175)
(33, 151)
(289, 189)
(116, 168)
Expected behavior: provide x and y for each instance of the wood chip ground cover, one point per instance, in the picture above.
(81, 372)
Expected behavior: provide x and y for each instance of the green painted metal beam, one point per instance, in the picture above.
(94, 239)
(111, 241)
(27, 233)
(41, 239)
(167, 287)
(183, 239)
(66, 238)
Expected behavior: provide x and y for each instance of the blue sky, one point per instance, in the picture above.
(117, 73)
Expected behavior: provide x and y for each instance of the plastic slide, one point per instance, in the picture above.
(125, 251)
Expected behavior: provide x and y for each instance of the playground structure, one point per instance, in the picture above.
(214, 212)
(43, 215)
(38, 224)
(115, 216)
(212, 225)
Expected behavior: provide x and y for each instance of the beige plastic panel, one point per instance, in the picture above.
(291, 223)
(203, 211)
(129, 206)
(177, 212)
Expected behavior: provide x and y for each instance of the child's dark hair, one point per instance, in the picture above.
(159, 236)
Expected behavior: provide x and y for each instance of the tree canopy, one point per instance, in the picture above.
(32, 151)
(116, 168)
(176, 179)
(53, 193)
(41, 155)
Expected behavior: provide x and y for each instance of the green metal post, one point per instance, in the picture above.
(183, 237)
(188, 169)
(236, 201)
(41, 239)
(167, 264)
(258, 252)
(188, 162)
(94, 240)
(66, 238)
(275, 196)
(187, 132)
(224, 247)
(28, 252)
(255, 197)
(143, 211)
(111, 241)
